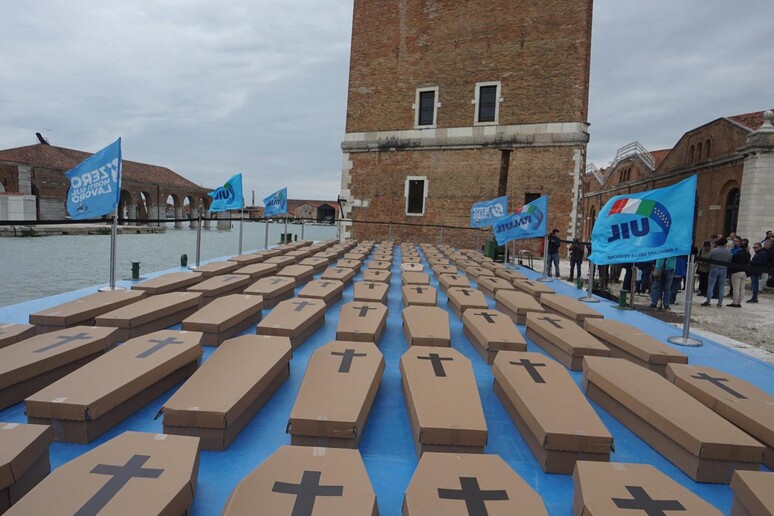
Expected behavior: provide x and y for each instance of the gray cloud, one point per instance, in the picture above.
(210, 88)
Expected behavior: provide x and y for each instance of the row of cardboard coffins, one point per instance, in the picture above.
(144, 473)
(56, 362)
(677, 414)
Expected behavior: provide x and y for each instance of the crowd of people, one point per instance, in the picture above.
(730, 259)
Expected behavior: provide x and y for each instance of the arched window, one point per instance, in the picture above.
(732, 211)
(592, 220)
(707, 146)
(691, 150)
(698, 152)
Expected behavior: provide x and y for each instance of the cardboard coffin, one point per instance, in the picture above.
(151, 314)
(349, 264)
(616, 489)
(300, 273)
(268, 253)
(491, 331)
(316, 263)
(443, 269)
(343, 274)
(376, 275)
(336, 395)
(371, 291)
(281, 261)
(702, 444)
(223, 396)
(753, 493)
(509, 274)
(412, 267)
(426, 326)
(517, 305)
(410, 258)
(563, 339)
(34, 363)
(225, 317)
(93, 399)
(447, 281)
(134, 473)
(13, 333)
(437, 260)
(305, 480)
(635, 345)
(297, 318)
(221, 285)
(460, 299)
(247, 259)
(419, 295)
(570, 308)
(475, 273)
(272, 289)
(328, 255)
(299, 254)
(491, 285)
(738, 401)
(171, 282)
(552, 414)
(24, 460)
(330, 291)
(356, 256)
(83, 311)
(362, 322)
(257, 271)
(442, 400)
(379, 265)
(414, 278)
(533, 288)
(446, 484)
(217, 268)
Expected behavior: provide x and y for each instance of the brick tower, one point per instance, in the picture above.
(452, 102)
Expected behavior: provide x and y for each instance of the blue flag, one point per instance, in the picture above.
(228, 196)
(95, 184)
(528, 222)
(485, 214)
(276, 203)
(645, 226)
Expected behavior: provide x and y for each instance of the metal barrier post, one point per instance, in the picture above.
(633, 286)
(198, 244)
(266, 233)
(589, 297)
(241, 223)
(685, 339)
(113, 233)
(302, 229)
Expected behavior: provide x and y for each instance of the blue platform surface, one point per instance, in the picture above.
(387, 448)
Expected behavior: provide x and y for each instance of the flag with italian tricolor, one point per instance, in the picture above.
(645, 226)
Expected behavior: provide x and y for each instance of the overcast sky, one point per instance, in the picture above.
(209, 89)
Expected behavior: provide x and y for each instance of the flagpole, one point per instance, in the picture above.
(286, 229)
(685, 339)
(241, 223)
(198, 242)
(266, 233)
(113, 233)
(545, 278)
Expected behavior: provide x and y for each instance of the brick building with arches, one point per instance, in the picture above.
(147, 191)
(733, 158)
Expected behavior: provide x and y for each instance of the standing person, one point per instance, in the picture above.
(731, 240)
(768, 245)
(627, 282)
(663, 273)
(554, 242)
(643, 283)
(717, 275)
(576, 257)
(758, 260)
(703, 267)
(681, 269)
(738, 277)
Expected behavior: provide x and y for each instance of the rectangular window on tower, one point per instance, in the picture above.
(416, 193)
(529, 197)
(487, 101)
(426, 108)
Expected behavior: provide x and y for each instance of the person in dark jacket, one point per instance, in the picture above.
(703, 268)
(576, 257)
(738, 276)
(554, 242)
(717, 275)
(758, 260)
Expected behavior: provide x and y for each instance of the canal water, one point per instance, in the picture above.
(31, 268)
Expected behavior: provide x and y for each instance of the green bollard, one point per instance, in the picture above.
(579, 283)
(183, 260)
(135, 270)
